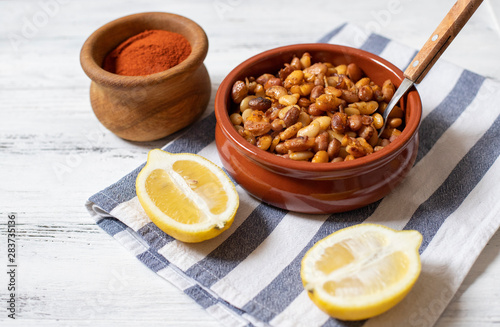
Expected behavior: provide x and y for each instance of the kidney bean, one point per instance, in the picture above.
(291, 116)
(239, 91)
(260, 103)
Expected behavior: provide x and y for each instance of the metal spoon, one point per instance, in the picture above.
(446, 31)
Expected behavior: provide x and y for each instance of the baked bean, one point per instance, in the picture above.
(388, 90)
(366, 132)
(274, 143)
(276, 91)
(236, 119)
(377, 93)
(315, 111)
(320, 157)
(333, 91)
(280, 148)
(305, 89)
(304, 118)
(354, 122)
(395, 133)
(296, 64)
(339, 122)
(350, 96)
(378, 120)
(273, 81)
(327, 102)
(295, 78)
(305, 60)
(395, 122)
(354, 72)
(245, 114)
(299, 143)
(316, 69)
(365, 93)
(273, 113)
(290, 131)
(284, 72)
(301, 155)
(257, 123)
(333, 148)
(259, 91)
(291, 116)
(324, 122)
(368, 148)
(311, 130)
(365, 81)
(239, 91)
(262, 79)
(245, 103)
(355, 148)
(278, 125)
(366, 120)
(321, 142)
(316, 92)
(289, 99)
(260, 103)
(303, 102)
(264, 142)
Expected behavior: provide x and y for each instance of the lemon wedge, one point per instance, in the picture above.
(187, 196)
(361, 271)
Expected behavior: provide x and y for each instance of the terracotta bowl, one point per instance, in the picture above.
(316, 187)
(146, 108)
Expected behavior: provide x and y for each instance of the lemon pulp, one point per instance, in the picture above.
(361, 271)
(186, 195)
(204, 183)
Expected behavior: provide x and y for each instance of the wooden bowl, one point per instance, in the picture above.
(316, 187)
(146, 108)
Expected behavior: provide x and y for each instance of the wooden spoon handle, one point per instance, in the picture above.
(446, 31)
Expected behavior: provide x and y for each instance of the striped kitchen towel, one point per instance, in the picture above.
(249, 275)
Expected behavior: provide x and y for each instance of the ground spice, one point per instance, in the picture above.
(149, 52)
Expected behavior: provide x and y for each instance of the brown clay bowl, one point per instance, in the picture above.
(316, 187)
(146, 108)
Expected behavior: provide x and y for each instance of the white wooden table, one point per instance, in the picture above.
(54, 154)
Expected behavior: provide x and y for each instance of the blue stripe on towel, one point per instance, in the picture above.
(288, 283)
(330, 35)
(340, 323)
(111, 226)
(197, 137)
(246, 238)
(155, 237)
(431, 214)
(153, 260)
(375, 44)
(119, 192)
(201, 296)
(444, 115)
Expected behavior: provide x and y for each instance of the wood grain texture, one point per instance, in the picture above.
(54, 153)
(442, 37)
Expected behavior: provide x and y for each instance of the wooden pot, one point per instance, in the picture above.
(146, 108)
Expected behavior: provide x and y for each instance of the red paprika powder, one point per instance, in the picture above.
(149, 52)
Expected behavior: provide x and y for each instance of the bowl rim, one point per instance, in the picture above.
(284, 165)
(96, 73)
